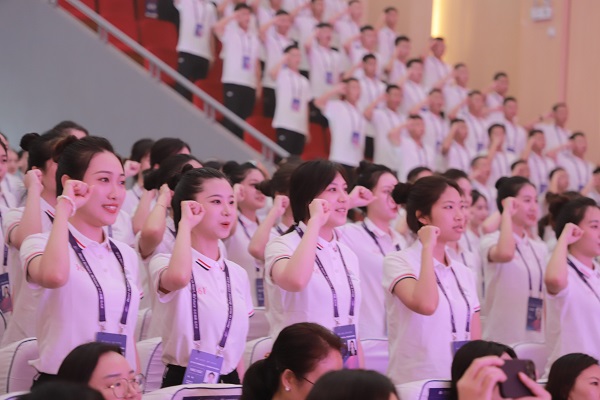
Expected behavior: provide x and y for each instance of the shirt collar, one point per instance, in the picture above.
(321, 243)
(248, 223)
(438, 265)
(85, 242)
(582, 268)
(207, 263)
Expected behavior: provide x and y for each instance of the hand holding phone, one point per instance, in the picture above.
(513, 387)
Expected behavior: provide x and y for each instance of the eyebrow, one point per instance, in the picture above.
(107, 172)
(112, 376)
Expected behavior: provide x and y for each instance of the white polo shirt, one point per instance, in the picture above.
(411, 155)
(175, 309)
(325, 69)
(292, 98)
(14, 190)
(384, 120)
(539, 171)
(356, 55)
(397, 72)
(507, 290)
(453, 96)
(477, 139)
(275, 44)
(413, 94)
(436, 130)
(132, 199)
(241, 49)
(370, 90)
(370, 252)
(573, 325)
(196, 19)
(554, 134)
(348, 130)
(122, 229)
(315, 302)
(501, 166)
(68, 316)
(579, 170)
(490, 193)
(515, 138)
(420, 345)
(468, 254)
(494, 100)
(304, 26)
(386, 39)
(434, 70)
(458, 157)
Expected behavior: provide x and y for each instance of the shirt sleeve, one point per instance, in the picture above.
(31, 248)
(331, 109)
(486, 244)
(276, 250)
(158, 264)
(395, 269)
(10, 221)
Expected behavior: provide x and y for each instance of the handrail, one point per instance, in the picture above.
(269, 149)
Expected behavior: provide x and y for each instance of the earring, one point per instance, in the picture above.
(287, 389)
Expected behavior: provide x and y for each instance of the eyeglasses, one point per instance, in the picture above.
(121, 387)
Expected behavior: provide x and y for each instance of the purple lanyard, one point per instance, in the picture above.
(244, 228)
(529, 270)
(336, 312)
(542, 177)
(295, 85)
(478, 135)
(326, 59)
(101, 304)
(374, 237)
(350, 108)
(583, 278)
(464, 296)
(195, 312)
(199, 16)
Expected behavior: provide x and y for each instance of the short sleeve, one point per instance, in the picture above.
(486, 244)
(276, 250)
(157, 265)
(212, 13)
(396, 268)
(10, 220)
(247, 292)
(32, 247)
(331, 109)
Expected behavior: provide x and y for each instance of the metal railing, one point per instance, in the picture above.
(156, 67)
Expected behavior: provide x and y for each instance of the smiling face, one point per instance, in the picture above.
(383, 207)
(589, 243)
(527, 214)
(111, 369)
(336, 194)
(217, 200)
(253, 198)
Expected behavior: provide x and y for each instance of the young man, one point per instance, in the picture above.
(480, 175)
(305, 26)
(556, 132)
(412, 89)
(293, 95)
(454, 148)
(396, 65)
(195, 47)
(435, 70)
(413, 152)
(516, 137)
(578, 169)
(386, 34)
(241, 64)
(368, 45)
(494, 99)
(478, 139)
(539, 164)
(371, 89)
(436, 125)
(456, 94)
(520, 168)
(348, 29)
(500, 160)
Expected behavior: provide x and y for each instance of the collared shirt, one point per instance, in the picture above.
(539, 171)
(383, 121)
(325, 69)
(241, 50)
(434, 70)
(345, 122)
(412, 155)
(194, 13)
(132, 199)
(459, 157)
(292, 97)
(413, 94)
(579, 170)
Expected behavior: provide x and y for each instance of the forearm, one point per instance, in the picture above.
(153, 231)
(504, 251)
(30, 223)
(556, 271)
(179, 272)
(142, 210)
(259, 240)
(426, 291)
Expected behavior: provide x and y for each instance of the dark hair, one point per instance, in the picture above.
(190, 184)
(242, 6)
(471, 351)
(39, 148)
(389, 9)
(63, 391)
(309, 180)
(535, 132)
(164, 148)
(563, 209)
(456, 121)
(368, 57)
(459, 65)
(140, 149)
(421, 196)
(415, 172)
(576, 134)
(455, 174)
(391, 87)
(401, 38)
(169, 172)
(280, 181)
(474, 93)
(474, 160)
(508, 99)
(596, 170)
(290, 48)
(73, 156)
(216, 164)
(238, 172)
(435, 90)
(413, 61)
(348, 384)
(558, 105)
(351, 79)
(366, 28)
(299, 347)
(281, 12)
(494, 126)
(476, 195)
(368, 175)
(324, 25)
(517, 162)
(65, 127)
(554, 171)
(80, 363)
(510, 187)
(415, 116)
(499, 75)
(564, 373)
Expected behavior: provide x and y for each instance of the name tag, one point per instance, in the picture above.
(199, 30)
(295, 104)
(114, 339)
(6, 305)
(355, 138)
(543, 187)
(511, 149)
(246, 62)
(348, 335)
(479, 147)
(329, 77)
(457, 344)
(203, 368)
(260, 292)
(534, 314)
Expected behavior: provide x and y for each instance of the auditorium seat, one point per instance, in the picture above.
(257, 350)
(157, 34)
(15, 372)
(78, 14)
(377, 354)
(120, 13)
(259, 325)
(534, 351)
(214, 89)
(197, 392)
(13, 395)
(151, 365)
(318, 147)
(263, 125)
(143, 323)
(169, 57)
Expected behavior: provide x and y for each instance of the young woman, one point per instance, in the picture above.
(573, 280)
(19, 223)
(513, 265)
(206, 297)
(427, 290)
(371, 240)
(574, 376)
(89, 280)
(479, 211)
(249, 200)
(140, 153)
(102, 367)
(311, 276)
(353, 385)
(301, 354)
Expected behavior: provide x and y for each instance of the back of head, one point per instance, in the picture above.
(237, 172)
(280, 181)
(63, 391)
(564, 373)
(40, 147)
(65, 127)
(169, 171)
(79, 365)
(567, 207)
(349, 384)
(368, 174)
(140, 149)
(164, 148)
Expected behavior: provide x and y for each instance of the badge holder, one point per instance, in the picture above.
(355, 138)
(457, 344)
(479, 147)
(116, 339)
(199, 30)
(6, 305)
(329, 77)
(348, 335)
(296, 105)
(260, 292)
(203, 367)
(534, 314)
(246, 62)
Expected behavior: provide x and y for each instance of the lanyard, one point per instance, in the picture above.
(137, 193)
(5, 251)
(5, 201)
(244, 228)
(514, 131)
(478, 133)
(583, 278)
(374, 237)
(172, 232)
(246, 41)
(464, 296)
(390, 114)
(559, 136)
(336, 312)
(101, 305)
(199, 16)
(358, 128)
(542, 176)
(580, 182)
(295, 85)
(279, 230)
(529, 270)
(436, 123)
(195, 314)
(326, 58)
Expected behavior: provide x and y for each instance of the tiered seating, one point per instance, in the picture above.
(263, 124)
(77, 14)
(15, 372)
(318, 147)
(121, 13)
(160, 38)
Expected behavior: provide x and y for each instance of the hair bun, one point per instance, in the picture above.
(501, 182)
(400, 192)
(27, 139)
(61, 145)
(266, 187)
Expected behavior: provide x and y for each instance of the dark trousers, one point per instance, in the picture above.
(239, 99)
(291, 141)
(43, 378)
(369, 148)
(268, 102)
(193, 68)
(315, 115)
(174, 374)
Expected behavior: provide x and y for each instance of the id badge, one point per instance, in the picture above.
(295, 104)
(114, 339)
(355, 138)
(534, 314)
(5, 298)
(543, 188)
(199, 30)
(246, 62)
(457, 344)
(260, 292)
(329, 77)
(348, 335)
(203, 368)
(151, 10)
(511, 149)
(479, 147)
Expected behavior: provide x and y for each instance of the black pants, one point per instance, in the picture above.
(291, 141)
(315, 115)
(268, 102)
(174, 374)
(193, 68)
(43, 378)
(369, 148)
(239, 99)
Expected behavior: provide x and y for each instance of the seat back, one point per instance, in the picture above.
(143, 322)
(196, 392)
(429, 389)
(534, 351)
(257, 349)
(13, 395)
(151, 365)
(157, 34)
(15, 372)
(259, 325)
(377, 354)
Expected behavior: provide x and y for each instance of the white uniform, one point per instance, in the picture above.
(397, 71)
(14, 189)
(507, 290)
(489, 192)
(453, 96)
(356, 55)
(477, 139)
(500, 166)
(314, 303)
(458, 157)
(275, 45)
(132, 199)
(175, 310)
(411, 155)
(384, 120)
(348, 131)
(304, 27)
(326, 66)
(555, 135)
(516, 137)
(371, 244)
(421, 345)
(386, 39)
(539, 171)
(413, 94)
(241, 49)
(292, 97)
(196, 19)
(434, 70)
(69, 316)
(579, 170)
(573, 325)
(436, 130)
(494, 100)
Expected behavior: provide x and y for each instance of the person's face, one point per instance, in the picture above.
(502, 85)
(317, 7)
(368, 39)
(479, 211)
(370, 67)
(436, 102)
(217, 200)
(415, 72)
(521, 169)
(596, 178)
(447, 214)
(113, 369)
(353, 91)
(283, 24)
(482, 169)
(23, 162)
(498, 134)
(13, 161)
(294, 59)
(462, 75)
(527, 213)
(336, 194)
(394, 98)
(561, 114)
(475, 103)
(3, 163)
(416, 128)
(391, 18)
(539, 142)
(105, 174)
(587, 385)
(562, 180)
(145, 162)
(510, 110)
(324, 36)
(579, 145)
(253, 198)
(333, 362)
(383, 206)
(589, 243)
(403, 49)
(356, 10)
(461, 131)
(465, 186)
(275, 4)
(439, 48)
(423, 174)
(243, 18)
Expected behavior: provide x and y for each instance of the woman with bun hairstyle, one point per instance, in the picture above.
(140, 155)
(246, 177)
(301, 354)
(88, 281)
(513, 266)
(203, 299)
(573, 279)
(427, 291)
(311, 275)
(19, 223)
(371, 240)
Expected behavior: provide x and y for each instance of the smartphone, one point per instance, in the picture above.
(513, 388)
